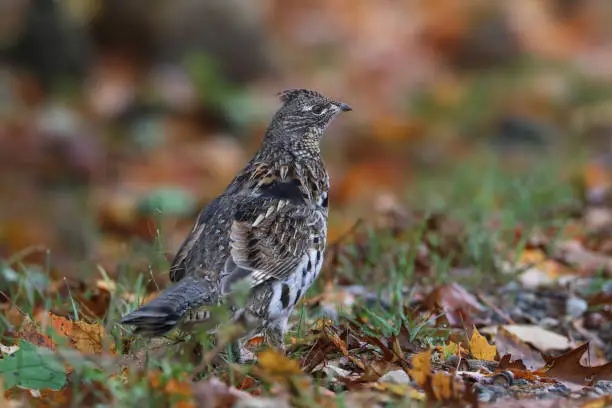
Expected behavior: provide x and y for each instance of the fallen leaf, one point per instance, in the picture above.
(401, 390)
(540, 338)
(83, 336)
(508, 343)
(31, 333)
(341, 345)
(444, 386)
(540, 269)
(87, 337)
(567, 367)
(602, 402)
(480, 347)
(586, 261)
(214, 393)
(421, 370)
(60, 324)
(181, 389)
(451, 348)
(277, 366)
(458, 304)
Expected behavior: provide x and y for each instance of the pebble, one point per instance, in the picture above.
(335, 372)
(575, 306)
(554, 391)
(489, 393)
(395, 377)
(604, 387)
(549, 323)
(261, 403)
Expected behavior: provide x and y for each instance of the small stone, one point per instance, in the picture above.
(261, 403)
(549, 323)
(489, 393)
(554, 391)
(395, 377)
(335, 372)
(604, 387)
(575, 306)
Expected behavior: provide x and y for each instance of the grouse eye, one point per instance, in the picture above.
(317, 109)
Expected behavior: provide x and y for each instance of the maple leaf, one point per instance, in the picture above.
(480, 347)
(567, 367)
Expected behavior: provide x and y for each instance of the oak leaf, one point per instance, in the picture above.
(567, 367)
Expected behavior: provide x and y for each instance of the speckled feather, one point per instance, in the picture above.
(268, 227)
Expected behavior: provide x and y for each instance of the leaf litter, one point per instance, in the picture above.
(412, 306)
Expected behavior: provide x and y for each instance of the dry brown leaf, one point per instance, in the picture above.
(509, 344)
(214, 393)
(83, 336)
(458, 304)
(567, 367)
(540, 338)
(30, 332)
(480, 347)
(341, 345)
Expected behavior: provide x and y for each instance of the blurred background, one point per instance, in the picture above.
(120, 119)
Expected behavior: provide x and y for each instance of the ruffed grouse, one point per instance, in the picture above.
(268, 228)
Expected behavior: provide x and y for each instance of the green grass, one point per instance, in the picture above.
(483, 198)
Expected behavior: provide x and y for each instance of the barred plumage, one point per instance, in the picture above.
(268, 228)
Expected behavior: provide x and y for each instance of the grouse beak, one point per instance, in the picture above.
(344, 107)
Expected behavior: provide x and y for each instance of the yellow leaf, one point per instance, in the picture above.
(87, 337)
(532, 256)
(601, 402)
(480, 348)
(536, 258)
(401, 390)
(277, 364)
(450, 349)
(421, 370)
(442, 385)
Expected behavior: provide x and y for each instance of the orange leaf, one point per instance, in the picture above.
(87, 337)
(177, 387)
(480, 347)
(256, 341)
(61, 325)
(442, 386)
(421, 370)
(277, 364)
